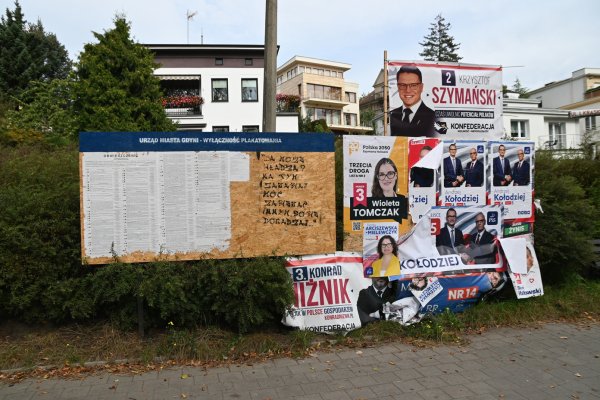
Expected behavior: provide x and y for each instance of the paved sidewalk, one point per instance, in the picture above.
(556, 361)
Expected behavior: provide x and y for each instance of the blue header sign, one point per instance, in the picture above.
(204, 141)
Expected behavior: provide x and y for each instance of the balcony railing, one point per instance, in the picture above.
(184, 112)
(567, 142)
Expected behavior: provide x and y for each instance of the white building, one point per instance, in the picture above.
(549, 128)
(215, 88)
(579, 94)
(323, 91)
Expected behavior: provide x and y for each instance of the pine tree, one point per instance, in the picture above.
(28, 53)
(439, 45)
(117, 90)
(519, 88)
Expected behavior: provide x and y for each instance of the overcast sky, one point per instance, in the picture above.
(549, 39)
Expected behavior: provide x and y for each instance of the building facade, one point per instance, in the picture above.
(579, 94)
(214, 88)
(549, 128)
(323, 91)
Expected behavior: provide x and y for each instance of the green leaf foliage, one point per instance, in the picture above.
(28, 53)
(45, 114)
(117, 90)
(439, 45)
(567, 189)
(42, 279)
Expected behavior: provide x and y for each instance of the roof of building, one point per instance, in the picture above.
(314, 61)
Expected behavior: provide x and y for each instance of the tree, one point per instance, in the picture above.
(518, 88)
(28, 53)
(45, 113)
(116, 89)
(439, 45)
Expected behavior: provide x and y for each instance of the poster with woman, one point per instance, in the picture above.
(380, 250)
(375, 185)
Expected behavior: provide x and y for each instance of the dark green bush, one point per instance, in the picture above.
(42, 279)
(570, 218)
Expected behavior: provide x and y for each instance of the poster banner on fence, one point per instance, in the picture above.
(449, 100)
(452, 240)
(326, 292)
(375, 185)
(187, 195)
(423, 161)
(511, 180)
(528, 280)
(463, 173)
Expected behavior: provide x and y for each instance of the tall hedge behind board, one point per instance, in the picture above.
(42, 279)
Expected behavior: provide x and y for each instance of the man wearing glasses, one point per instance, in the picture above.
(474, 170)
(481, 244)
(521, 170)
(414, 118)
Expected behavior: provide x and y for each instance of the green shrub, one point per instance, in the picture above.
(563, 231)
(42, 279)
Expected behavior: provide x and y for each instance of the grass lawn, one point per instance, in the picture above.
(66, 349)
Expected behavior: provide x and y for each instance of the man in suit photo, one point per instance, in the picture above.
(474, 170)
(501, 168)
(414, 118)
(453, 170)
(450, 240)
(371, 300)
(482, 248)
(521, 171)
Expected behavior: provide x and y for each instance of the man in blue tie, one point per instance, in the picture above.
(501, 169)
(453, 170)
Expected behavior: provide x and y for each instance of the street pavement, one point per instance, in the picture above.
(552, 361)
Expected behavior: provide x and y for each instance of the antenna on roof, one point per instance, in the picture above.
(201, 34)
(189, 14)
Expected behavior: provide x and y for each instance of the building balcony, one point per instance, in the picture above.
(569, 143)
(184, 112)
(330, 103)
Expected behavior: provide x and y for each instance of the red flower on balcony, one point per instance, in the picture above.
(182, 101)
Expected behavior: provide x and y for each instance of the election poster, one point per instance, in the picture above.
(452, 240)
(527, 281)
(463, 173)
(185, 195)
(445, 100)
(511, 181)
(375, 185)
(455, 292)
(425, 288)
(468, 233)
(423, 161)
(326, 292)
(380, 249)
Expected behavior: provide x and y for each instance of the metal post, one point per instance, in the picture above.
(269, 105)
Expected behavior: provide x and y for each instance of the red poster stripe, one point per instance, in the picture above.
(465, 67)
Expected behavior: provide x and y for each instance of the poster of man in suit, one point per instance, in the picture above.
(463, 173)
(445, 100)
(512, 166)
